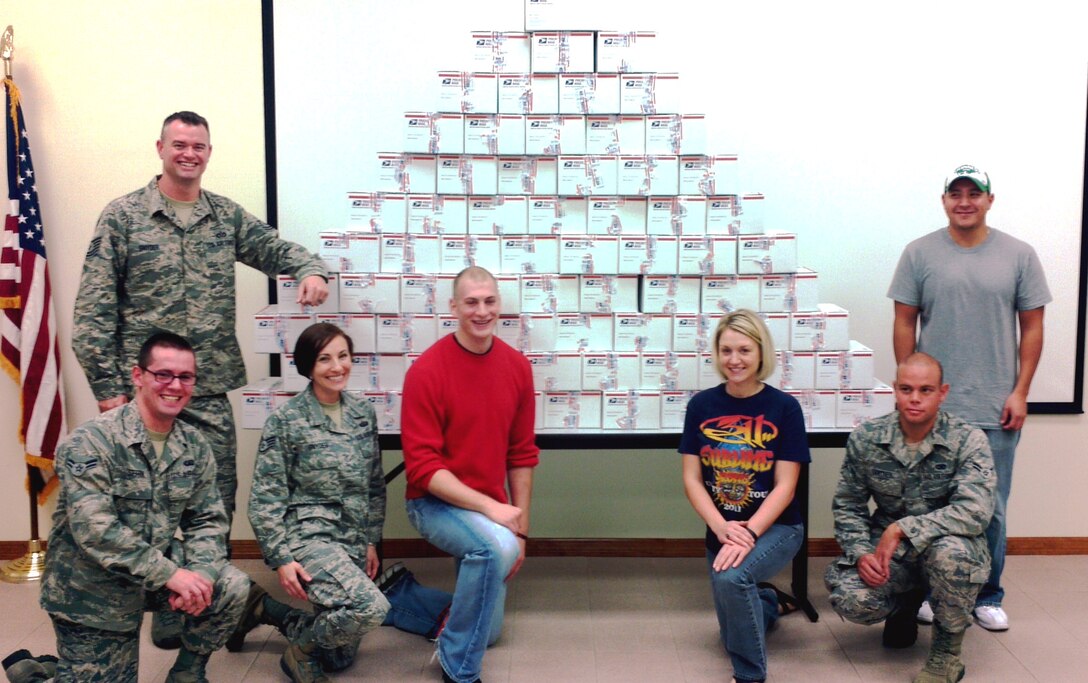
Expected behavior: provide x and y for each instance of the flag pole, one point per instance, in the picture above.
(30, 566)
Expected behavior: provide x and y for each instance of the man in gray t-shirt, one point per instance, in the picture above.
(963, 290)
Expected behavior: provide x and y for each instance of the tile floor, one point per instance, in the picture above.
(634, 620)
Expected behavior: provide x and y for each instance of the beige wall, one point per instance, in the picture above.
(98, 78)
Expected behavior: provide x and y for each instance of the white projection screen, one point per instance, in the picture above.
(847, 116)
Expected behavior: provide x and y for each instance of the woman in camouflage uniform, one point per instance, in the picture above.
(318, 504)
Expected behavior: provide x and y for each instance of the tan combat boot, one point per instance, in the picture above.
(944, 664)
(299, 663)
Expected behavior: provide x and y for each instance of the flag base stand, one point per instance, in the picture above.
(27, 568)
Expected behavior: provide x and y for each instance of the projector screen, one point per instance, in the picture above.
(847, 117)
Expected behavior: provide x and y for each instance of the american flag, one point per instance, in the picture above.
(28, 351)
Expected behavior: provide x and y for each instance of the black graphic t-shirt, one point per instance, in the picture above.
(738, 441)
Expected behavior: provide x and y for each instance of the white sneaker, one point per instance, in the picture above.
(992, 618)
(925, 613)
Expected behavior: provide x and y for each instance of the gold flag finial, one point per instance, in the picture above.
(7, 49)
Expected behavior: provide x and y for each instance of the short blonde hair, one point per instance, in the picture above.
(752, 326)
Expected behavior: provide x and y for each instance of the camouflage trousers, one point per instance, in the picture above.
(91, 655)
(953, 568)
(346, 602)
(213, 417)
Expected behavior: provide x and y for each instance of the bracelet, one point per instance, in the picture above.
(755, 536)
(521, 536)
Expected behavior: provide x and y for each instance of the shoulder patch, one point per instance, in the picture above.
(267, 442)
(79, 467)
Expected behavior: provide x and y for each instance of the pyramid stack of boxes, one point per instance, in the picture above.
(561, 165)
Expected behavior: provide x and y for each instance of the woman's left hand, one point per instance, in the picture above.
(731, 555)
(371, 562)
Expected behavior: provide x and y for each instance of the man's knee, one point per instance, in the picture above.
(853, 599)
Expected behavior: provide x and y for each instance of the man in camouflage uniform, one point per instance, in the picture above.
(131, 479)
(931, 477)
(163, 257)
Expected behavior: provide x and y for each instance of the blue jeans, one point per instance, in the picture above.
(416, 608)
(746, 612)
(485, 553)
(1003, 446)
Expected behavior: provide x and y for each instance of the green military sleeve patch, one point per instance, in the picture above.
(267, 442)
(79, 467)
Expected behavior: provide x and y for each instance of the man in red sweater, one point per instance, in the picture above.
(469, 452)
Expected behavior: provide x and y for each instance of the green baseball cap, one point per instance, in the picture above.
(982, 180)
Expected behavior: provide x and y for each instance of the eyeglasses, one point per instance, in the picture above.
(187, 379)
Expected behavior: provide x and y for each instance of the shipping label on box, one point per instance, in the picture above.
(332, 247)
(634, 175)
(391, 175)
(588, 254)
(406, 333)
(857, 406)
(572, 134)
(603, 172)
(549, 293)
(572, 410)
(708, 255)
(645, 332)
(511, 134)
(602, 216)
(434, 214)
(530, 254)
(774, 253)
(794, 370)
(561, 371)
(575, 93)
(369, 293)
(609, 371)
(451, 96)
(418, 294)
(515, 93)
(364, 212)
(483, 215)
(360, 327)
(662, 216)
(542, 134)
(790, 291)
(817, 407)
(450, 174)
(664, 172)
(696, 171)
(826, 329)
(418, 132)
(276, 330)
(691, 332)
(750, 213)
(721, 217)
(727, 293)
(650, 93)
(608, 293)
(625, 52)
(291, 381)
(583, 331)
(510, 329)
(481, 134)
(543, 215)
(674, 406)
(461, 251)
(851, 369)
(573, 176)
(410, 253)
(482, 93)
(544, 98)
(663, 134)
(631, 410)
(648, 254)
(386, 406)
(709, 376)
(602, 134)
(669, 371)
(779, 326)
(257, 401)
(501, 52)
(287, 296)
(670, 294)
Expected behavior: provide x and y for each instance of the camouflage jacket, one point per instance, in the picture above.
(143, 271)
(118, 509)
(947, 488)
(314, 481)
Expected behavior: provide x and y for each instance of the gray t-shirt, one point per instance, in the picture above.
(968, 300)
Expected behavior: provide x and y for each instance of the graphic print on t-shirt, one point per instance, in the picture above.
(741, 453)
